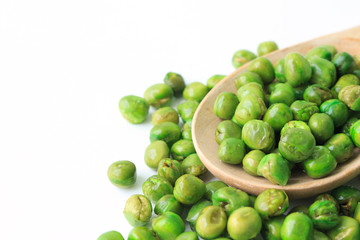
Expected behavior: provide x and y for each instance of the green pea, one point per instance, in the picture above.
(300, 208)
(187, 236)
(186, 130)
(168, 203)
(297, 226)
(231, 150)
(195, 91)
(227, 129)
(258, 135)
(344, 63)
(271, 86)
(346, 127)
(189, 189)
(348, 228)
(140, 233)
(193, 165)
(331, 48)
(357, 61)
(155, 152)
(215, 79)
(320, 164)
(295, 124)
(250, 88)
(122, 173)
(134, 109)
(271, 203)
(299, 92)
(341, 147)
(138, 210)
(355, 133)
(170, 169)
(250, 107)
(272, 228)
(169, 132)
(225, 105)
(111, 235)
(337, 110)
(283, 93)
(195, 211)
(212, 187)
(159, 95)
(322, 127)
(264, 68)
(323, 72)
(347, 197)
(241, 57)
(324, 214)
(357, 212)
(168, 226)
(187, 109)
(296, 144)
(274, 168)
(266, 47)
(280, 70)
(181, 149)
(251, 161)
(346, 80)
(175, 81)
(247, 77)
(319, 52)
(165, 114)
(297, 69)
(244, 223)
(278, 115)
(230, 199)
(350, 95)
(320, 235)
(328, 197)
(317, 94)
(303, 110)
(155, 187)
(211, 222)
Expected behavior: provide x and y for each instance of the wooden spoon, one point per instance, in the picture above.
(299, 185)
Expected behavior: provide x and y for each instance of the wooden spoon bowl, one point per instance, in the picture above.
(299, 184)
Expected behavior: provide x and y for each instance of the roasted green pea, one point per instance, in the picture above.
(272, 228)
(300, 208)
(328, 197)
(186, 130)
(357, 212)
(280, 70)
(111, 235)
(193, 165)
(346, 80)
(168, 226)
(251, 161)
(283, 93)
(187, 236)
(195, 211)
(212, 187)
(231, 150)
(320, 235)
(138, 210)
(350, 95)
(195, 91)
(227, 129)
(355, 133)
(303, 110)
(274, 168)
(357, 61)
(297, 69)
(165, 114)
(322, 127)
(324, 214)
(296, 144)
(213, 80)
(323, 72)
(155, 152)
(278, 115)
(170, 169)
(230, 199)
(134, 109)
(331, 48)
(155, 187)
(337, 110)
(181, 149)
(189, 189)
(250, 88)
(264, 68)
(346, 127)
(141, 233)
(299, 92)
(271, 203)
(319, 52)
(225, 105)
(341, 147)
(211, 222)
(297, 226)
(347, 197)
(271, 86)
(266, 47)
(187, 109)
(250, 107)
(244, 223)
(344, 63)
(168, 203)
(248, 77)
(159, 95)
(317, 94)
(175, 81)
(347, 229)
(295, 124)
(241, 57)
(169, 132)
(258, 135)
(122, 173)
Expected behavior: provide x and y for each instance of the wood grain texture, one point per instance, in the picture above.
(299, 185)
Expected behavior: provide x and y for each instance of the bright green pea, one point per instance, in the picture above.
(230, 199)
(193, 165)
(181, 149)
(111, 235)
(231, 150)
(250, 88)
(122, 173)
(212, 187)
(227, 129)
(323, 72)
(320, 235)
(303, 110)
(215, 79)
(320, 164)
(271, 203)
(295, 124)
(346, 127)
(141, 233)
(168, 203)
(280, 70)
(195, 91)
(283, 93)
(225, 105)
(186, 130)
(272, 228)
(195, 211)
(345, 80)
(317, 94)
(319, 52)
(138, 210)
(248, 77)
(155, 187)
(244, 223)
(322, 127)
(347, 229)
(169, 132)
(211, 222)
(271, 87)
(187, 236)
(341, 147)
(165, 114)
(168, 226)
(350, 95)
(328, 197)
(264, 68)
(278, 115)
(159, 95)
(134, 109)
(337, 110)
(274, 168)
(251, 161)
(258, 135)
(189, 189)
(266, 47)
(241, 57)
(331, 48)
(170, 169)
(297, 226)
(187, 109)
(344, 63)
(324, 214)
(155, 152)
(297, 69)
(250, 107)
(347, 197)
(355, 133)
(175, 81)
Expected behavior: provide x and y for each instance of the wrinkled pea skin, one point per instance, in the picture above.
(331, 48)
(169, 132)
(122, 173)
(189, 189)
(295, 124)
(346, 80)
(266, 47)
(251, 161)
(193, 165)
(248, 77)
(195, 211)
(258, 135)
(297, 226)
(337, 110)
(303, 110)
(274, 168)
(168, 226)
(355, 133)
(283, 93)
(181, 149)
(175, 81)
(250, 107)
(344, 63)
(278, 115)
(155, 152)
(241, 57)
(187, 236)
(271, 203)
(244, 223)
(232, 150)
(195, 91)
(297, 69)
(187, 109)
(169, 169)
(347, 197)
(225, 105)
(317, 94)
(213, 80)
(323, 72)
(328, 197)
(230, 199)
(165, 114)
(264, 68)
(111, 235)
(141, 233)
(168, 203)
(324, 214)
(212, 187)
(134, 109)
(250, 88)
(320, 164)
(322, 127)
(186, 132)
(347, 229)
(138, 210)
(159, 95)
(272, 228)
(350, 95)
(319, 52)
(211, 222)
(155, 187)
(227, 129)
(341, 147)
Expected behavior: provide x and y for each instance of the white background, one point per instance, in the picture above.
(64, 65)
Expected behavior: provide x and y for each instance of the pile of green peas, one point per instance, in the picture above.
(213, 210)
(303, 113)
